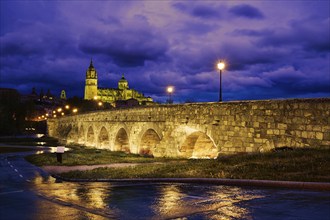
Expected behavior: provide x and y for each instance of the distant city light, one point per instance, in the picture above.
(75, 110)
(62, 113)
(54, 116)
(100, 103)
(95, 97)
(59, 109)
(67, 106)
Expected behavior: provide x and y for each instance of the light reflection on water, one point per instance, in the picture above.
(51, 150)
(190, 201)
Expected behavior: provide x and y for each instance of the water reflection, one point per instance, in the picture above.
(51, 150)
(169, 200)
(176, 201)
(216, 202)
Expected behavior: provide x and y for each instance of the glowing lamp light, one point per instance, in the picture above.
(221, 65)
(62, 113)
(54, 116)
(67, 107)
(59, 109)
(100, 103)
(95, 97)
(170, 89)
(75, 110)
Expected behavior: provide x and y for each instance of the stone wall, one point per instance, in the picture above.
(202, 129)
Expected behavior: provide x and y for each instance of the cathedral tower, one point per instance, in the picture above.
(91, 82)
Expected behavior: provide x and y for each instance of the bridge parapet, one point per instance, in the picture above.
(202, 129)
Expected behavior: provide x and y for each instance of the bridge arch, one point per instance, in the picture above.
(149, 141)
(122, 141)
(90, 139)
(103, 139)
(198, 145)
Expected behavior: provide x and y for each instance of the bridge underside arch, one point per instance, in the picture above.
(122, 141)
(198, 145)
(149, 142)
(90, 140)
(104, 138)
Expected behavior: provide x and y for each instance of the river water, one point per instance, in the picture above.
(27, 192)
(190, 201)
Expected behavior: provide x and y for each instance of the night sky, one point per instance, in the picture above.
(273, 49)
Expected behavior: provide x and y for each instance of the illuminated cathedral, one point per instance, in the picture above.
(111, 95)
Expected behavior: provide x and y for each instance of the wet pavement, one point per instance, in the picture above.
(27, 192)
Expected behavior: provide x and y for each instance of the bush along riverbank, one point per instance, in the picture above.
(307, 165)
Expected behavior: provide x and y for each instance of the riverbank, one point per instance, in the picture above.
(305, 165)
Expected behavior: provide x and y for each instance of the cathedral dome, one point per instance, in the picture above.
(123, 79)
(122, 84)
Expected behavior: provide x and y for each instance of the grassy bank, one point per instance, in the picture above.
(292, 165)
(90, 156)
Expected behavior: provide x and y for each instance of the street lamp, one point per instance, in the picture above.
(221, 66)
(170, 90)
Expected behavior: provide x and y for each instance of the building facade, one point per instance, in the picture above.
(111, 95)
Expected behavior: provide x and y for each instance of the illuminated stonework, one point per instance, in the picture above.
(111, 95)
(201, 130)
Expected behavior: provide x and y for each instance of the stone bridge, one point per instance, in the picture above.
(201, 130)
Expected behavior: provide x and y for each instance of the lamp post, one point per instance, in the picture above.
(221, 66)
(170, 90)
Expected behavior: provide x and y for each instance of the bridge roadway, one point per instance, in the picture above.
(201, 130)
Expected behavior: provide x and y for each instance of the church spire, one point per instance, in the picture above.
(91, 64)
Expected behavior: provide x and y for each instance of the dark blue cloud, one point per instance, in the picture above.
(310, 35)
(197, 28)
(246, 11)
(126, 48)
(251, 32)
(206, 11)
